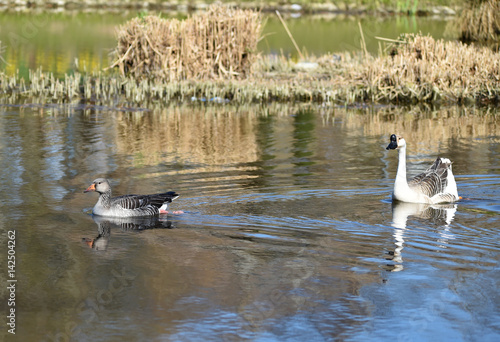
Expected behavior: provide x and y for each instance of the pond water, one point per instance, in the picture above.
(58, 41)
(288, 231)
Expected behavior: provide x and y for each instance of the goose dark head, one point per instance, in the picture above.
(397, 141)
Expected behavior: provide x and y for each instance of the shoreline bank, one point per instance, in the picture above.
(188, 7)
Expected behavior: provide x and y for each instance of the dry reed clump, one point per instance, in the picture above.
(419, 69)
(218, 44)
(423, 69)
(480, 20)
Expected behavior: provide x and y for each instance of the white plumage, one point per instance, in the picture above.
(435, 185)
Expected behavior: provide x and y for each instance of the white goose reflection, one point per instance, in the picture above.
(104, 225)
(439, 214)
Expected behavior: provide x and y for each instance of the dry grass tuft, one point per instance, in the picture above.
(218, 44)
(423, 69)
(480, 20)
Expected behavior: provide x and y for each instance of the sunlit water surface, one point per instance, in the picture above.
(288, 231)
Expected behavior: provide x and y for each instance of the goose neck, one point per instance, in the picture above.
(401, 174)
(105, 199)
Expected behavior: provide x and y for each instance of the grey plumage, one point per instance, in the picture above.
(128, 205)
(433, 180)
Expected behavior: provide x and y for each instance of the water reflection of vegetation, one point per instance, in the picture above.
(54, 41)
(303, 136)
(323, 36)
(228, 137)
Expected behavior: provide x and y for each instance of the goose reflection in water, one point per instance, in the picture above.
(104, 225)
(438, 214)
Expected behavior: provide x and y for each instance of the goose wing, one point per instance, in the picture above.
(137, 202)
(432, 181)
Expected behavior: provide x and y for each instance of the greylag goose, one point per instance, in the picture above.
(435, 185)
(128, 205)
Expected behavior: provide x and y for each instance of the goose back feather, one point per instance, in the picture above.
(433, 180)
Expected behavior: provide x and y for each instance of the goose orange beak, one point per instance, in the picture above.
(90, 188)
(88, 242)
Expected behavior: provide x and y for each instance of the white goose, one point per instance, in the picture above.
(435, 185)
